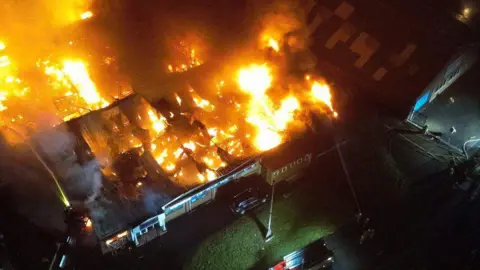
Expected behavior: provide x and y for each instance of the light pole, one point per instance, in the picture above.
(269, 234)
(344, 166)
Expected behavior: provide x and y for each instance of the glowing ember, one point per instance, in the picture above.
(2, 46)
(86, 15)
(191, 58)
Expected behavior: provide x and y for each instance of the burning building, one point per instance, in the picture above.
(137, 161)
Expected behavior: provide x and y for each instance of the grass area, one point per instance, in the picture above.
(242, 246)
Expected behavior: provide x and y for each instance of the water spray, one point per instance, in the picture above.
(63, 196)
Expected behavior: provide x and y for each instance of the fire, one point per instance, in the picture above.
(77, 72)
(3, 97)
(161, 158)
(273, 44)
(170, 167)
(158, 124)
(88, 222)
(179, 100)
(202, 103)
(267, 139)
(211, 131)
(255, 79)
(190, 57)
(268, 121)
(4, 61)
(189, 145)
(241, 117)
(285, 114)
(211, 175)
(86, 15)
(321, 92)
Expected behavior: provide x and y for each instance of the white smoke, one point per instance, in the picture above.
(81, 181)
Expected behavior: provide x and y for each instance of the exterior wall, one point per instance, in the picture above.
(449, 105)
(205, 195)
(201, 198)
(447, 76)
(290, 171)
(156, 226)
(176, 211)
(148, 230)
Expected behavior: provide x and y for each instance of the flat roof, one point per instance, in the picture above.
(112, 213)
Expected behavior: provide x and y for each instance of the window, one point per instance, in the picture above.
(148, 223)
(174, 208)
(199, 196)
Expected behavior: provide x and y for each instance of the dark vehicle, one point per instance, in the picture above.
(314, 256)
(248, 200)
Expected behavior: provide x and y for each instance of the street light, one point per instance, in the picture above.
(269, 234)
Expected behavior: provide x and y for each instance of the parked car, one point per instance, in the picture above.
(314, 256)
(247, 200)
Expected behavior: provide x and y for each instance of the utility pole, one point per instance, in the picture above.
(269, 234)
